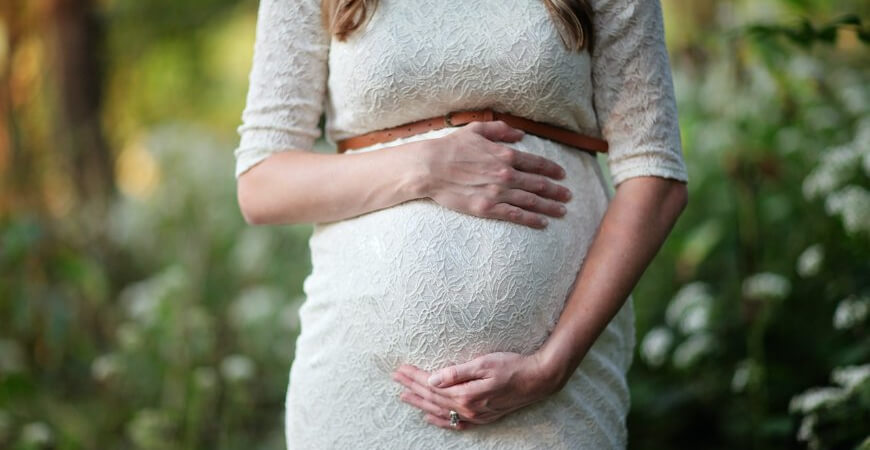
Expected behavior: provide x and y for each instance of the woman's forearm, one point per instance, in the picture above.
(636, 223)
(306, 187)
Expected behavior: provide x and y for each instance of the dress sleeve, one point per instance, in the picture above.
(287, 82)
(633, 91)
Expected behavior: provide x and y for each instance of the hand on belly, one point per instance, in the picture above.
(481, 391)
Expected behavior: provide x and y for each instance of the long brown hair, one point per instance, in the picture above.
(573, 19)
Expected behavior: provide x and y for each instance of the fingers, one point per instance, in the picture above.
(425, 392)
(518, 186)
(527, 204)
(531, 202)
(530, 162)
(496, 130)
(412, 398)
(527, 162)
(518, 215)
(437, 402)
(456, 374)
(540, 185)
(435, 414)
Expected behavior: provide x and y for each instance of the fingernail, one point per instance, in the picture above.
(562, 209)
(435, 380)
(544, 221)
(568, 195)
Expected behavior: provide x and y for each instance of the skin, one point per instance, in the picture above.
(472, 171)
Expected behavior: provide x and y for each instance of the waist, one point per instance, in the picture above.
(555, 133)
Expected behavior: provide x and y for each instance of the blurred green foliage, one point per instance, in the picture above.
(160, 320)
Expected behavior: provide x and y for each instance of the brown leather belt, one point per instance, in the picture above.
(457, 118)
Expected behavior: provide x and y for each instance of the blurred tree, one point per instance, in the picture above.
(76, 33)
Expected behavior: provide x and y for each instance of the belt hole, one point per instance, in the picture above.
(409, 129)
(389, 134)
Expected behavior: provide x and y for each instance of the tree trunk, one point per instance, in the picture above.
(78, 36)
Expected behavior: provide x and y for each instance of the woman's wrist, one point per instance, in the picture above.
(415, 175)
(557, 364)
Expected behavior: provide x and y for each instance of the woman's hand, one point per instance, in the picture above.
(481, 390)
(468, 171)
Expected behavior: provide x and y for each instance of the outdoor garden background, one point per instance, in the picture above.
(139, 310)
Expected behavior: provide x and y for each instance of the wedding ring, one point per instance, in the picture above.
(454, 418)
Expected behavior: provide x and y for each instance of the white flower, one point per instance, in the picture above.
(810, 260)
(689, 311)
(862, 135)
(106, 366)
(805, 432)
(687, 353)
(655, 346)
(854, 97)
(850, 312)
(141, 304)
(695, 320)
(852, 204)
(744, 371)
(766, 285)
(144, 299)
(850, 377)
(36, 434)
(836, 166)
(815, 398)
(237, 368)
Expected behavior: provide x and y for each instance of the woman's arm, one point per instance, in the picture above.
(639, 218)
(458, 171)
(306, 187)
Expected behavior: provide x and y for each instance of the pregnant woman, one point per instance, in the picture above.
(471, 273)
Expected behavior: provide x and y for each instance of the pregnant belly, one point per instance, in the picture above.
(423, 284)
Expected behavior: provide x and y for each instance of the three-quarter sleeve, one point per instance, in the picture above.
(287, 82)
(633, 91)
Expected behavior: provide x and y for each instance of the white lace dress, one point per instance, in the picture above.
(422, 284)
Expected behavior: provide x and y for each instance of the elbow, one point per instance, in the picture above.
(257, 202)
(678, 197)
(250, 218)
(248, 211)
(246, 195)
